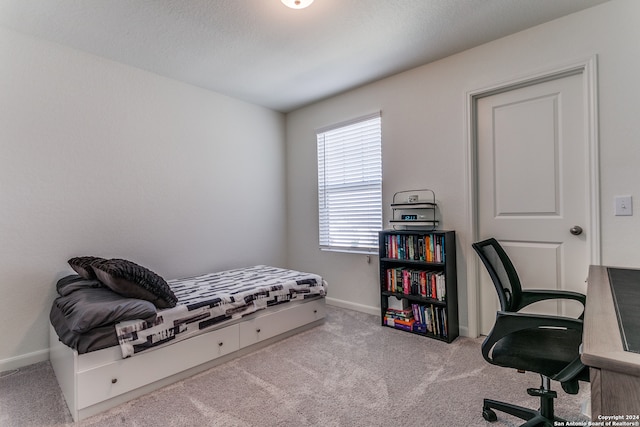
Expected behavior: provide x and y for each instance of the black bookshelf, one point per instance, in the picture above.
(418, 285)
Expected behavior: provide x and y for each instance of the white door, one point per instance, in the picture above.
(533, 188)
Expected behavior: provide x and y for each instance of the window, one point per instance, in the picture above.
(350, 185)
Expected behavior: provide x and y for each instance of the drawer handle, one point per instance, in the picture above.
(220, 344)
(258, 330)
(114, 380)
(315, 311)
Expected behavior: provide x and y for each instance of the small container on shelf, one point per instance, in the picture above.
(396, 303)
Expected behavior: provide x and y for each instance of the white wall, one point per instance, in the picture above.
(97, 158)
(424, 140)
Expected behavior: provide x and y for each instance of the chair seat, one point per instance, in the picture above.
(545, 351)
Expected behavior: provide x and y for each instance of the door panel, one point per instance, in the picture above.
(518, 143)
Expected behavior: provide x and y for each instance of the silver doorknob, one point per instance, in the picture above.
(576, 230)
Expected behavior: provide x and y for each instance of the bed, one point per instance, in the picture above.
(115, 336)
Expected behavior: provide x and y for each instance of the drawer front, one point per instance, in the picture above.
(112, 379)
(272, 324)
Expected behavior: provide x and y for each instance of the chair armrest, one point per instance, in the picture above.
(530, 296)
(571, 371)
(510, 322)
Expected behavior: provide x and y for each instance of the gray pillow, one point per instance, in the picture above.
(134, 281)
(73, 282)
(88, 308)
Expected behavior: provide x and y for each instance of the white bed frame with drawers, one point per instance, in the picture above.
(96, 381)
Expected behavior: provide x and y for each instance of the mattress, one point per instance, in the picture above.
(212, 300)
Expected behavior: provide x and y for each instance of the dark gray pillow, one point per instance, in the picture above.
(82, 266)
(134, 281)
(88, 308)
(73, 282)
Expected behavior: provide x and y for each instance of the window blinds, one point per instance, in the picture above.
(350, 184)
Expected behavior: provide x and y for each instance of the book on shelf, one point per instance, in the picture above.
(406, 325)
(399, 314)
(420, 327)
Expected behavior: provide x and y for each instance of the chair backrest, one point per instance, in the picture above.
(502, 273)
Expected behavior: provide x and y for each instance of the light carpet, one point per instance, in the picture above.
(350, 371)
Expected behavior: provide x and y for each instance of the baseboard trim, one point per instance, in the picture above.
(353, 306)
(24, 360)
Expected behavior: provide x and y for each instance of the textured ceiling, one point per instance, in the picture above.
(265, 53)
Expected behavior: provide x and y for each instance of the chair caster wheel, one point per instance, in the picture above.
(489, 415)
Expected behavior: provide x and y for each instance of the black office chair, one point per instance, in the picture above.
(547, 345)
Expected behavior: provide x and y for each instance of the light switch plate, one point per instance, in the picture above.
(624, 206)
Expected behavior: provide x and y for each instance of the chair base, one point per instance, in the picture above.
(543, 417)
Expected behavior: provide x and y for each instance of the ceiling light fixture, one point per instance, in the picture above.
(297, 4)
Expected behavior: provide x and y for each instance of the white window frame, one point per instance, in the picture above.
(350, 185)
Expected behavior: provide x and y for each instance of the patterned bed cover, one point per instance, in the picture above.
(208, 301)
